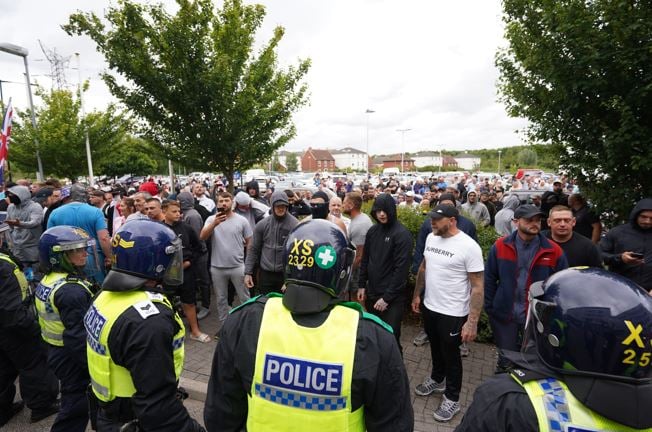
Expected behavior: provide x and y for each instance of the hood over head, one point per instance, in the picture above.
(386, 203)
(642, 205)
(22, 192)
(186, 200)
(253, 185)
(280, 197)
(511, 202)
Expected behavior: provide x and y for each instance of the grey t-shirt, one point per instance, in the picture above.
(358, 228)
(227, 241)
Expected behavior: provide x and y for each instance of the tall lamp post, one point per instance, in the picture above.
(368, 111)
(89, 160)
(402, 131)
(22, 52)
(499, 174)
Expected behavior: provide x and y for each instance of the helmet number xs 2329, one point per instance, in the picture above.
(301, 253)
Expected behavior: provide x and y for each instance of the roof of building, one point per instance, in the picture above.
(346, 150)
(321, 155)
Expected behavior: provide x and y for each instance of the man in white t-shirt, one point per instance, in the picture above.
(451, 281)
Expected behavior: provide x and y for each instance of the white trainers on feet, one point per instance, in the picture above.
(420, 339)
(447, 410)
(430, 386)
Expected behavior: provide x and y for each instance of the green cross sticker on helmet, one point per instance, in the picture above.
(325, 256)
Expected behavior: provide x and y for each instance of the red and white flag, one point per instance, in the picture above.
(4, 138)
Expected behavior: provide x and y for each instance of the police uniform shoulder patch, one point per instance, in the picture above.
(146, 309)
(155, 296)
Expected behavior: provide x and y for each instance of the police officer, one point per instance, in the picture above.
(585, 365)
(62, 298)
(305, 360)
(22, 353)
(135, 337)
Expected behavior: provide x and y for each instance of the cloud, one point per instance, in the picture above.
(420, 64)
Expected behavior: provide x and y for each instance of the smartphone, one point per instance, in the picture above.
(221, 211)
(636, 255)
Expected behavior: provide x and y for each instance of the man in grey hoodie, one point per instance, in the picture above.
(266, 249)
(24, 216)
(504, 219)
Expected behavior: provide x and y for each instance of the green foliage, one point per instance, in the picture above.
(206, 100)
(291, 162)
(527, 158)
(60, 133)
(130, 156)
(581, 73)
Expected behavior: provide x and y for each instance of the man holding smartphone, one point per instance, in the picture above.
(627, 248)
(229, 235)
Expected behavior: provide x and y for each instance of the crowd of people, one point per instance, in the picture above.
(292, 257)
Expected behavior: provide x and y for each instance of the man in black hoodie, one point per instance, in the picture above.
(253, 189)
(627, 248)
(385, 265)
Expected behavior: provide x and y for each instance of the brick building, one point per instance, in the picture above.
(317, 160)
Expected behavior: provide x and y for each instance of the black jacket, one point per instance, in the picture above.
(388, 253)
(73, 301)
(192, 247)
(380, 382)
(630, 237)
(13, 313)
(144, 348)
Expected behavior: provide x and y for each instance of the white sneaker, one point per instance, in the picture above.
(447, 410)
(420, 339)
(429, 386)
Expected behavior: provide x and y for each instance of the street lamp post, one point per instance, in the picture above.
(402, 131)
(368, 111)
(499, 152)
(89, 160)
(22, 52)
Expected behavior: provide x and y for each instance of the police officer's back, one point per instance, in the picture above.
(135, 338)
(305, 361)
(586, 363)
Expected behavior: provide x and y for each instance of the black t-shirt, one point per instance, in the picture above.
(579, 251)
(584, 219)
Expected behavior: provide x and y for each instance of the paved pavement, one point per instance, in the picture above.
(199, 356)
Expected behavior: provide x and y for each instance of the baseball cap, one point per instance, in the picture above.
(527, 211)
(97, 193)
(443, 211)
(65, 192)
(42, 194)
(557, 181)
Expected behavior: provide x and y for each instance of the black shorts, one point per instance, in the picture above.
(187, 291)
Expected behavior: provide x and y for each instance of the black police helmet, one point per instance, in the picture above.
(318, 256)
(590, 322)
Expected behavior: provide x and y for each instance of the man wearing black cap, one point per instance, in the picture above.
(515, 262)
(451, 279)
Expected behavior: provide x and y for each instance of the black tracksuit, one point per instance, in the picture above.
(386, 263)
(22, 351)
(379, 380)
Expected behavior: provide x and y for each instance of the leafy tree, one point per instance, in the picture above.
(527, 158)
(207, 101)
(581, 73)
(130, 155)
(60, 133)
(291, 162)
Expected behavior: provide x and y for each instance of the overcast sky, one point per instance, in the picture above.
(425, 65)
